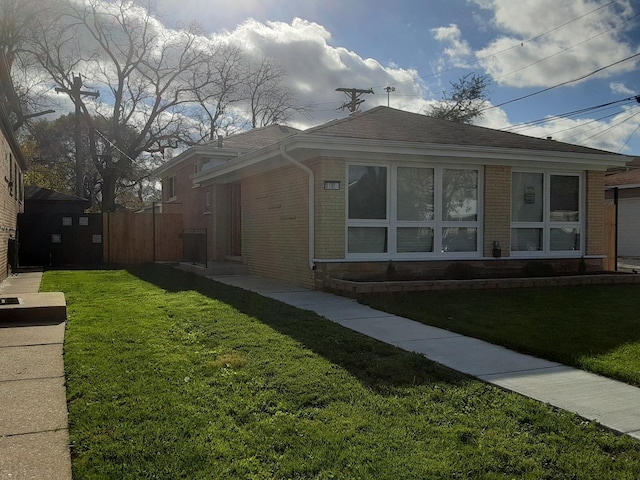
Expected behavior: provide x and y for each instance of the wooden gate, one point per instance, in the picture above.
(131, 238)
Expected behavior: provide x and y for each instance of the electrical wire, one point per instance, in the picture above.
(582, 77)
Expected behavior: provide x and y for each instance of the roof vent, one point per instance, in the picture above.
(549, 138)
(220, 141)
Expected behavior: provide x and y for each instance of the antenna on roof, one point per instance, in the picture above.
(354, 95)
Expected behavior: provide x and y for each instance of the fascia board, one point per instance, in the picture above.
(488, 155)
(622, 187)
(357, 148)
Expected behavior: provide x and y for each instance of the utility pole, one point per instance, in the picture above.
(354, 95)
(389, 90)
(76, 93)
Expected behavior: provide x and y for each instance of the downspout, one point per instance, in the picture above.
(311, 202)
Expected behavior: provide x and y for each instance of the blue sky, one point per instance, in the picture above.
(420, 46)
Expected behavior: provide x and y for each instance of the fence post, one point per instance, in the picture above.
(153, 222)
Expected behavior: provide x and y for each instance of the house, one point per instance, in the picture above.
(12, 166)
(386, 188)
(625, 185)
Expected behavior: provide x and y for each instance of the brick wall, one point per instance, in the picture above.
(275, 225)
(497, 208)
(329, 208)
(595, 214)
(10, 201)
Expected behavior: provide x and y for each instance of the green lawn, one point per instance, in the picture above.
(173, 376)
(594, 327)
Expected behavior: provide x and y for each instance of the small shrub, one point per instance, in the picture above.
(538, 269)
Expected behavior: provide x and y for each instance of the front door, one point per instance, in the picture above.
(235, 220)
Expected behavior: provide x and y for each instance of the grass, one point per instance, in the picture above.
(594, 327)
(173, 376)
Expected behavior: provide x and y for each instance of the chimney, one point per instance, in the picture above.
(220, 141)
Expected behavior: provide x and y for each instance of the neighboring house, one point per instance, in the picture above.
(12, 166)
(627, 184)
(348, 197)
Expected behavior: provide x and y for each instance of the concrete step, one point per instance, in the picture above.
(33, 307)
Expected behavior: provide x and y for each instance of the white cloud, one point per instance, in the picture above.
(457, 50)
(315, 68)
(621, 88)
(605, 134)
(522, 57)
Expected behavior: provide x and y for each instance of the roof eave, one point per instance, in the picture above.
(357, 146)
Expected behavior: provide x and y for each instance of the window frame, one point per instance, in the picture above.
(546, 225)
(171, 188)
(437, 224)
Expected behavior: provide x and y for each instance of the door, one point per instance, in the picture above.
(235, 220)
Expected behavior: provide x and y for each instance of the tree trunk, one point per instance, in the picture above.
(109, 191)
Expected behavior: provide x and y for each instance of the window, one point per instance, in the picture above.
(171, 187)
(411, 211)
(546, 214)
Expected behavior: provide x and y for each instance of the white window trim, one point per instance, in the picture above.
(391, 223)
(546, 225)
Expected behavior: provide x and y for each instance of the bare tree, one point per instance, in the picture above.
(147, 77)
(465, 101)
(270, 101)
(17, 20)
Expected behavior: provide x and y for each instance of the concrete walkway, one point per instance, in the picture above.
(34, 438)
(613, 404)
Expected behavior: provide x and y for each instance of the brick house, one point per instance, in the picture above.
(352, 197)
(12, 166)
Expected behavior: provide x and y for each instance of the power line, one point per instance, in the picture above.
(533, 123)
(519, 44)
(582, 77)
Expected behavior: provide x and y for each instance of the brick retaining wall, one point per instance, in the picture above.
(353, 289)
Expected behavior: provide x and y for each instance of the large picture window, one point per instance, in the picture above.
(410, 211)
(546, 213)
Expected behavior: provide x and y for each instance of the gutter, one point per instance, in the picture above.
(311, 201)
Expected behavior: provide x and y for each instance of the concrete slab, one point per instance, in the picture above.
(33, 307)
(37, 456)
(342, 311)
(32, 406)
(474, 357)
(26, 282)
(13, 334)
(306, 298)
(256, 284)
(611, 403)
(395, 330)
(29, 362)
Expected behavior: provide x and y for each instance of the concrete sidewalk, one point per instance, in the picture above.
(34, 438)
(613, 404)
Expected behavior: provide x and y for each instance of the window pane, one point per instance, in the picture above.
(367, 192)
(565, 198)
(367, 240)
(565, 239)
(459, 195)
(526, 239)
(527, 198)
(412, 239)
(415, 194)
(459, 239)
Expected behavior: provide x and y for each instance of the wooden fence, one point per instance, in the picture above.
(610, 237)
(130, 238)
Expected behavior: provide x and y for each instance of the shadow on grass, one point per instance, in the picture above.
(379, 366)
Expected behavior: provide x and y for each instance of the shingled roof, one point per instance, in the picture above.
(258, 137)
(630, 177)
(384, 123)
